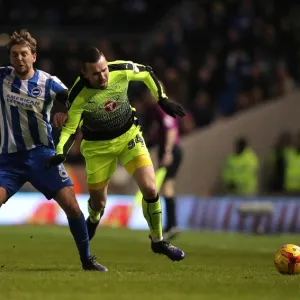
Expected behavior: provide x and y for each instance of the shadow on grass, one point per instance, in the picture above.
(37, 269)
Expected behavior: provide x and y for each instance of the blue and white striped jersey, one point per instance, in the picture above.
(25, 107)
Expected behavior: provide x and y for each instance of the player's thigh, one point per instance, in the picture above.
(101, 162)
(98, 178)
(10, 183)
(47, 180)
(12, 175)
(145, 179)
(135, 153)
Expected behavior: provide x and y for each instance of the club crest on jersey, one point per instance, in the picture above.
(36, 91)
(110, 105)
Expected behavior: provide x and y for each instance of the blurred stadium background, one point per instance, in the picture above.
(233, 65)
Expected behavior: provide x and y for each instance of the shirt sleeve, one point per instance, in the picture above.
(67, 136)
(169, 123)
(4, 71)
(56, 87)
(137, 72)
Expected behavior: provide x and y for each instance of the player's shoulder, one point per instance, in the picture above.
(79, 84)
(44, 74)
(121, 65)
(47, 76)
(48, 81)
(5, 71)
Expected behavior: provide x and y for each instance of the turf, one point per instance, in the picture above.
(42, 263)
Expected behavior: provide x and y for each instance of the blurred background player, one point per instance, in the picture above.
(162, 130)
(26, 96)
(99, 103)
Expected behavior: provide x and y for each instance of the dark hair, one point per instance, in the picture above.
(22, 38)
(242, 142)
(91, 55)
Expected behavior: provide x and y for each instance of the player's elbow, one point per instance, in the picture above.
(149, 72)
(62, 97)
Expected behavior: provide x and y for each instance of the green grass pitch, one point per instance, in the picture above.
(41, 263)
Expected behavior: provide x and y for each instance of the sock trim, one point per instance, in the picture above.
(153, 200)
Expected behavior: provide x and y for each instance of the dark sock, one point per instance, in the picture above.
(170, 212)
(80, 234)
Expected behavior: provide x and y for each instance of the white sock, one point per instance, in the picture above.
(157, 239)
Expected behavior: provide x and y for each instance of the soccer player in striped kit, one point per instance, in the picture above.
(26, 98)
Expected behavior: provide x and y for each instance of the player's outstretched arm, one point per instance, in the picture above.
(137, 72)
(67, 136)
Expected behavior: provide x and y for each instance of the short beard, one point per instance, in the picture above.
(24, 73)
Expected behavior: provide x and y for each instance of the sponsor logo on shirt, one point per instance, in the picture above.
(22, 101)
(36, 91)
(110, 105)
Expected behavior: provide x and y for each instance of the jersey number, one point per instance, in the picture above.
(133, 142)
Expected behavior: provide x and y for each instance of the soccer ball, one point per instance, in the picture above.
(287, 259)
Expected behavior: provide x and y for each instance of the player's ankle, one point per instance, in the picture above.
(156, 239)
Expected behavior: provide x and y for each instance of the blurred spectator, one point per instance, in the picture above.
(243, 101)
(276, 163)
(238, 53)
(284, 83)
(240, 178)
(292, 168)
(240, 173)
(203, 110)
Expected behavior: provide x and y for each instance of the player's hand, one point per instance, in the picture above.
(171, 108)
(167, 159)
(55, 160)
(59, 119)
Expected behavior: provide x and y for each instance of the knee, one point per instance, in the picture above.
(149, 190)
(3, 196)
(67, 200)
(73, 210)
